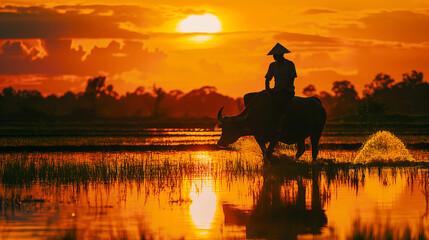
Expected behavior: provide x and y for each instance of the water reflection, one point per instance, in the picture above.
(201, 194)
(203, 207)
(385, 187)
(281, 212)
(204, 198)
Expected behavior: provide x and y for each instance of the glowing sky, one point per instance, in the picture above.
(52, 47)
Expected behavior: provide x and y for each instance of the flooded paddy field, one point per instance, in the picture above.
(134, 183)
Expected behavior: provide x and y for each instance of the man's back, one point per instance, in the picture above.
(283, 72)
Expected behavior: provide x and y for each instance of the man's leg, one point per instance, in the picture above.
(283, 101)
(280, 123)
(249, 97)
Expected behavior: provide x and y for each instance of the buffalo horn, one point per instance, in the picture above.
(219, 115)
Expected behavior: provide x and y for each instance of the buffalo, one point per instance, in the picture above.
(305, 117)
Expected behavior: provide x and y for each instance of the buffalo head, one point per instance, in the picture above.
(232, 128)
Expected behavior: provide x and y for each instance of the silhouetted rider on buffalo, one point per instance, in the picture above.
(275, 115)
(284, 74)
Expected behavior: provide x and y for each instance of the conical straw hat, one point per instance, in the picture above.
(278, 49)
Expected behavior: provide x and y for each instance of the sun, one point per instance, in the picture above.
(207, 23)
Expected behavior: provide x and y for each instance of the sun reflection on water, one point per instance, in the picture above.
(203, 157)
(204, 199)
(203, 207)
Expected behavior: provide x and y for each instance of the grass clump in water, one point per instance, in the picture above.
(383, 146)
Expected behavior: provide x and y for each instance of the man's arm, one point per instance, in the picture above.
(267, 84)
(268, 77)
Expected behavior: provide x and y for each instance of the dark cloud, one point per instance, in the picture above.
(318, 11)
(62, 60)
(12, 50)
(92, 21)
(139, 16)
(52, 84)
(132, 55)
(402, 26)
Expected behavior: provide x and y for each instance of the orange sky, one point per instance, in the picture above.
(52, 47)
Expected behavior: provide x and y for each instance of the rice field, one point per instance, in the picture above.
(177, 184)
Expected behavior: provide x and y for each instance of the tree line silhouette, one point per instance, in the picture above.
(101, 101)
(382, 97)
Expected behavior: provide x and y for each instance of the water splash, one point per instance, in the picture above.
(246, 145)
(383, 146)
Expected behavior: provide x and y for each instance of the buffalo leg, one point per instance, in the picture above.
(261, 145)
(301, 149)
(270, 149)
(315, 145)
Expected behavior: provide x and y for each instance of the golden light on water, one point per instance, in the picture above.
(385, 190)
(203, 207)
(203, 157)
(204, 199)
(205, 194)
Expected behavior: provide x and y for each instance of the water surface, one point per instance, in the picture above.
(209, 194)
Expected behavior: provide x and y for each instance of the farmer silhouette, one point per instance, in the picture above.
(284, 74)
(283, 71)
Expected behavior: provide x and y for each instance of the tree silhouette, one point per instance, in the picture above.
(346, 97)
(414, 79)
(381, 97)
(379, 83)
(344, 89)
(309, 91)
(406, 97)
(8, 92)
(159, 94)
(95, 86)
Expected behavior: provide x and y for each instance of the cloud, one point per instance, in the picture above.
(60, 84)
(359, 63)
(309, 43)
(62, 60)
(12, 49)
(400, 26)
(92, 21)
(321, 59)
(172, 10)
(53, 84)
(318, 11)
(298, 37)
